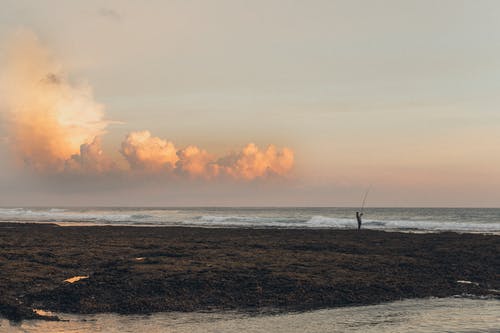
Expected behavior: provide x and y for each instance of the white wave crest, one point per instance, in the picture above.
(330, 222)
(255, 218)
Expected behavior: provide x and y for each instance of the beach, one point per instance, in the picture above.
(140, 270)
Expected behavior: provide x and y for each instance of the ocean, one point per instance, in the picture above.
(474, 220)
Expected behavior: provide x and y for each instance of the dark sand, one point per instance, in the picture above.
(190, 269)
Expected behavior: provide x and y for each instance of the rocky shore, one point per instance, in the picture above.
(143, 270)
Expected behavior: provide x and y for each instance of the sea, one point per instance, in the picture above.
(463, 313)
(473, 220)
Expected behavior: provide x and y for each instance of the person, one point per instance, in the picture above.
(358, 217)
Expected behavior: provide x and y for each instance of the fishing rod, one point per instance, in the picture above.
(364, 198)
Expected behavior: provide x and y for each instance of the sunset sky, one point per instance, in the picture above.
(250, 103)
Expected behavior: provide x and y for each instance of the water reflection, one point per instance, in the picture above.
(427, 315)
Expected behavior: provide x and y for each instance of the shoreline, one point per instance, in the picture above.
(136, 270)
(64, 224)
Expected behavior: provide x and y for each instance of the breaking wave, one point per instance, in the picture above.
(415, 220)
(321, 221)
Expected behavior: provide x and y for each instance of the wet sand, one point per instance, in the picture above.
(143, 270)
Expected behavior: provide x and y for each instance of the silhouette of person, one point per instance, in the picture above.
(358, 217)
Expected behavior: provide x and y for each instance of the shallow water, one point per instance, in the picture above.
(421, 315)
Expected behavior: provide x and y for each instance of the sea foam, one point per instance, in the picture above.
(422, 220)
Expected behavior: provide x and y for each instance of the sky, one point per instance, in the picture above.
(250, 103)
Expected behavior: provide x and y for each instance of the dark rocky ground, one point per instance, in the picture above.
(188, 269)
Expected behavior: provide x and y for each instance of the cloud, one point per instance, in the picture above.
(55, 126)
(253, 162)
(152, 154)
(91, 159)
(49, 117)
(197, 163)
(144, 152)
